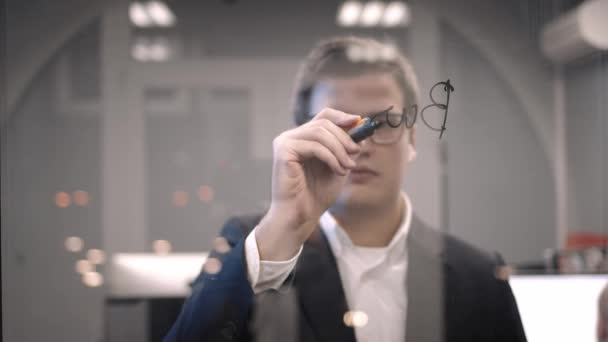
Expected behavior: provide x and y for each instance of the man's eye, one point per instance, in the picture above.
(380, 120)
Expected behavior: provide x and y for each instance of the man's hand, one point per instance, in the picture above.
(310, 164)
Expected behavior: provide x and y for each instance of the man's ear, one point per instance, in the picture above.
(412, 145)
(412, 152)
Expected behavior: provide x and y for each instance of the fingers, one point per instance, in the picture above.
(325, 139)
(339, 118)
(310, 149)
(351, 146)
(323, 134)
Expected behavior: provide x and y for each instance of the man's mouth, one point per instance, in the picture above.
(364, 170)
(362, 174)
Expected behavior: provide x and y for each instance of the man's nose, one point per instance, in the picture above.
(367, 146)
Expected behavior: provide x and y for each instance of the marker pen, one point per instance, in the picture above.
(363, 129)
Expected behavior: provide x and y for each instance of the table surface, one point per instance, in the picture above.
(553, 307)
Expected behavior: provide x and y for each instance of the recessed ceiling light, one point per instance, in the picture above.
(396, 14)
(349, 12)
(372, 13)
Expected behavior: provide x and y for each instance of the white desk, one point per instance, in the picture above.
(553, 307)
(558, 307)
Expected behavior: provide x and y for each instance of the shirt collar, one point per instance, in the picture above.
(339, 240)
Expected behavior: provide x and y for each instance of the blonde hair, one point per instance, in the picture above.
(351, 56)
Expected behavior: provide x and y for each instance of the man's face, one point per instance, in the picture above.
(380, 170)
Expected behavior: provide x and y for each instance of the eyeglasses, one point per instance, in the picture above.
(391, 128)
(393, 125)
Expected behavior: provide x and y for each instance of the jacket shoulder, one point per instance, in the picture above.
(457, 254)
(468, 258)
(241, 224)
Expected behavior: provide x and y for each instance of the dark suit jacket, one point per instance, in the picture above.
(453, 294)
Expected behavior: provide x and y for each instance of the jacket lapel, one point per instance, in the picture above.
(323, 302)
(424, 285)
(320, 291)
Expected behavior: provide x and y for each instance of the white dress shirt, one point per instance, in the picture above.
(373, 278)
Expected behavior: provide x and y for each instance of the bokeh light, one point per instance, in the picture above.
(206, 193)
(213, 266)
(372, 13)
(355, 318)
(180, 198)
(96, 256)
(220, 245)
(92, 279)
(503, 272)
(354, 53)
(349, 13)
(74, 244)
(62, 199)
(83, 266)
(81, 198)
(161, 247)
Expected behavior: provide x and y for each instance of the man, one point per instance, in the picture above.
(340, 236)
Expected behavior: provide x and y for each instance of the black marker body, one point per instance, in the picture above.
(364, 130)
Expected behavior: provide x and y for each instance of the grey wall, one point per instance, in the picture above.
(47, 149)
(499, 178)
(27, 50)
(587, 143)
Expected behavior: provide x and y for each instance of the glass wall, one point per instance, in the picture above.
(134, 130)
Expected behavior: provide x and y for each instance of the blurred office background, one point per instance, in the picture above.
(140, 127)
